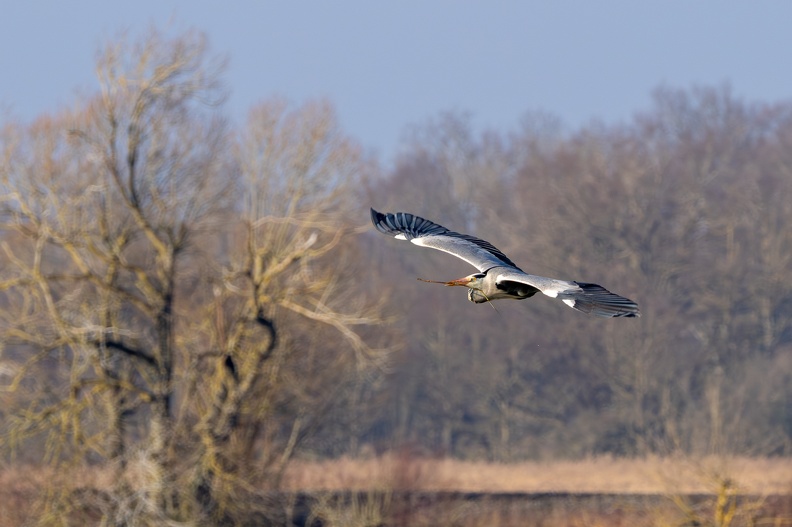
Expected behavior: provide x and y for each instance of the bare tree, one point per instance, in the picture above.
(169, 320)
(104, 204)
(288, 274)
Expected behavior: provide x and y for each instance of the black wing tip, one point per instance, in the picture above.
(404, 223)
(380, 221)
(596, 300)
(376, 217)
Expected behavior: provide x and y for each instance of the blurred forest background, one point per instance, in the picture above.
(190, 304)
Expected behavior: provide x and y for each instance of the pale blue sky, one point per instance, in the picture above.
(387, 65)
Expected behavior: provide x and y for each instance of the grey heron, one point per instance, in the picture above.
(498, 276)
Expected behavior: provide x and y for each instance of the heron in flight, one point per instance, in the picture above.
(498, 276)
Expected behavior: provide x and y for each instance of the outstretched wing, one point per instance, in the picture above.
(588, 298)
(479, 253)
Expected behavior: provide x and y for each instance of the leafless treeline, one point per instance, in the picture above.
(189, 305)
(686, 210)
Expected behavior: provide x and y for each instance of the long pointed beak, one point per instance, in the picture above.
(460, 281)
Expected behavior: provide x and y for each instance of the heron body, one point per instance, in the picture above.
(498, 276)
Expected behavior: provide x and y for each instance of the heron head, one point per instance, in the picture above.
(473, 281)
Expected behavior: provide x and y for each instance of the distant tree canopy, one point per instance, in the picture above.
(189, 305)
(685, 210)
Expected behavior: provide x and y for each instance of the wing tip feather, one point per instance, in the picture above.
(596, 300)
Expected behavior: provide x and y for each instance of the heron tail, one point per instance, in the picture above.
(596, 300)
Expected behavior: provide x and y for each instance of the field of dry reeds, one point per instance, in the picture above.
(398, 489)
(651, 475)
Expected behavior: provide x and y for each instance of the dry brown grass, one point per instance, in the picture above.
(603, 491)
(662, 485)
(651, 475)
(21, 488)
(18, 490)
